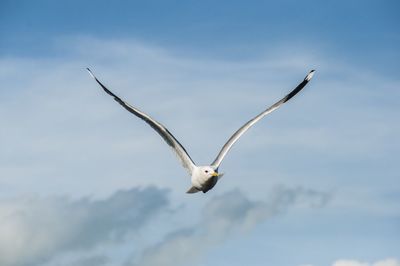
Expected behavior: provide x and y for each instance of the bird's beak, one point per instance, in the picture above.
(215, 174)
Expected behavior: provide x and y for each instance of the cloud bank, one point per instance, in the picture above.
(35, 230)
(59, 230)
(222, 217)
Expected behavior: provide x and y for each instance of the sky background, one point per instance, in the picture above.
(83, 182)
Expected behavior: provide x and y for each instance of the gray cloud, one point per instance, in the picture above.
(62, 231)
(37, 229)
(225, 215)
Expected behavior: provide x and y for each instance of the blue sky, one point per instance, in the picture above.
(83, 182)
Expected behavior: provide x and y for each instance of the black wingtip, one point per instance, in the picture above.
(300, 86)
(310, 75)
(90, 72)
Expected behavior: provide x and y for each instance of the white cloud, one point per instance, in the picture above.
(63, 231)
(345, 262)
(33, 230)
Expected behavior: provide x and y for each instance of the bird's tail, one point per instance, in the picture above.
(192, 190)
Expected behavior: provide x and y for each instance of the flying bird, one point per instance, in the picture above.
(203, 178)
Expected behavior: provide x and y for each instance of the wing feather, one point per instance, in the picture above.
(180, 151)
(228, 145)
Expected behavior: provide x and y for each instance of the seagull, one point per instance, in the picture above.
(203, 178)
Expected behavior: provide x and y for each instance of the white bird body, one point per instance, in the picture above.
(203, 178)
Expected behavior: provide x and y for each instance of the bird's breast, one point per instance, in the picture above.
(210, 183)
(204, 183)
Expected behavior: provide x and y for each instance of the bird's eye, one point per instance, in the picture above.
(206, 171)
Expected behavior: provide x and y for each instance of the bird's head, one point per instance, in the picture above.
(209, 171)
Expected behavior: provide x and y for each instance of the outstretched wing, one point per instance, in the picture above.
(250, 123)
(180, 151)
